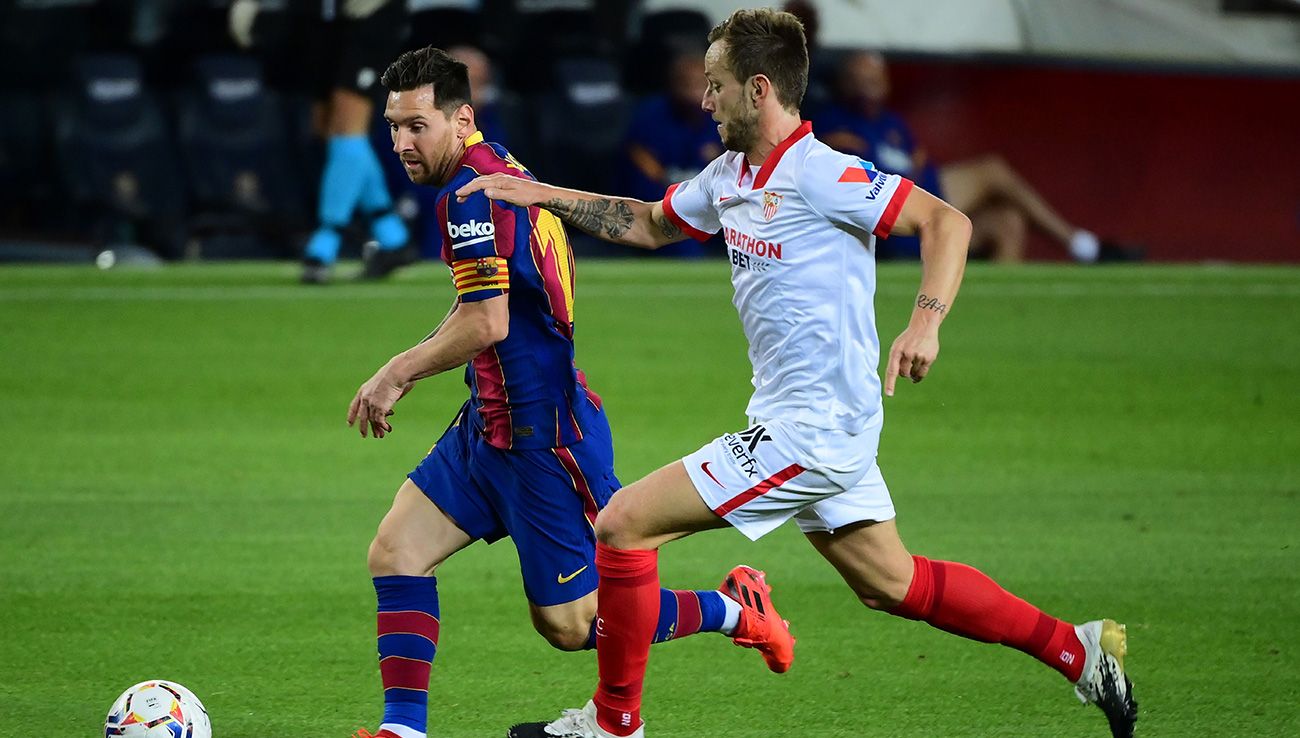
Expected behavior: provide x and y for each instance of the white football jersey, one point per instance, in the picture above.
(800, 232)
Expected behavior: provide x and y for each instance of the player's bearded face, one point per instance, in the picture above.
(739, 126)
(424, 137)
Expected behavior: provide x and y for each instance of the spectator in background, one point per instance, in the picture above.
(355, 40)
(1002, 206)
(671, 139)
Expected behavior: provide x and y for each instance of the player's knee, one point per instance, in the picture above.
(620, 531)
(566, 636)
(389, 557)
(614, 526)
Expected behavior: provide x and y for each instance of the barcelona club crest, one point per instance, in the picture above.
(486, 268)
(771, 201)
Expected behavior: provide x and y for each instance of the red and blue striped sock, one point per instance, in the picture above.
(683, 612)
(687, 612)
(408, 640)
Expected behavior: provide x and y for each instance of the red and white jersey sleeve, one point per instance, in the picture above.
(852, 193)
(691, 205)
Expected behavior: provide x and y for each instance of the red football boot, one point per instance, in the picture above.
(760, 625)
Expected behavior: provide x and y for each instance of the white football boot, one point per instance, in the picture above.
(1103, 682)
(572, 724)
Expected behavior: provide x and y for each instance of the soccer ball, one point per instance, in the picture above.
(158, 709)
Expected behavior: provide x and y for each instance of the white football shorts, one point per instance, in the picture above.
(758, 478)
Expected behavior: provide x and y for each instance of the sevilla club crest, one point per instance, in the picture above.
(771, 201)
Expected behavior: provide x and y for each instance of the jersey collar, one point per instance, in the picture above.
(474, 138)
(769, 164)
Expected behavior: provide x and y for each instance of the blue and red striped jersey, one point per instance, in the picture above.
(525, 391)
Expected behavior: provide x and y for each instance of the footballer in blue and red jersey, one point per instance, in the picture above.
(530, 454)
(516, 397)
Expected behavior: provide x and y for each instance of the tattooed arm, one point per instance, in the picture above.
(945, 238)
(617, 219)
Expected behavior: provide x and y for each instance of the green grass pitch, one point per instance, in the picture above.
(180, 498)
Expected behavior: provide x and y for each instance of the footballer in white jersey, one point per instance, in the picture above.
(800, 223)
(800, 233)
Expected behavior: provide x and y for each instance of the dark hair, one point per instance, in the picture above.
(768, 42)
(430, 66)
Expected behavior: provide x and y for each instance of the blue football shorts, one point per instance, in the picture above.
(545, 499)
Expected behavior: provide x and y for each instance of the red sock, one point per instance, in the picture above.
(626, 614)
(963, 600)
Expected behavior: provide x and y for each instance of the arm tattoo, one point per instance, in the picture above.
(931, 303)
(668, 229)
(603, 218)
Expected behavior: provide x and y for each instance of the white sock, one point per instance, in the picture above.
(1085, 246)
(732, 618)
(401, 730)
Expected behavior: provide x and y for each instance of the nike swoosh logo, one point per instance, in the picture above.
(724, 199)
(705, 467)
(565, 580)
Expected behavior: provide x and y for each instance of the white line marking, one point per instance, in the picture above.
(605, 291)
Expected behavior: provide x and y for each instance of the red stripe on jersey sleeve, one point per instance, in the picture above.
(677, 220)
(895, 206)
(503, 234)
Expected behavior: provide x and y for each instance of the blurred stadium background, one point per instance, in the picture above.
(1169, 123)
(180, 497)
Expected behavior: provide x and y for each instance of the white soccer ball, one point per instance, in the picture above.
(158, 709)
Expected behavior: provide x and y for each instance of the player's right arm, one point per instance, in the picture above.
(617, 219)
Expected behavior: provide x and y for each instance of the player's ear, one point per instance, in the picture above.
(759, 87)
(463, 120)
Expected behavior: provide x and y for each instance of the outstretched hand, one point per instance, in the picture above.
(506, 188)
(374, 401)
(911, 355)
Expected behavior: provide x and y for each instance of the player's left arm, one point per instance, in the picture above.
(945, 239)
(466, 332)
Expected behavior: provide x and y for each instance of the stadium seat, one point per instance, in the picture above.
(116, 157)
(247, 199)
(663, 33)
(445, 27)
(27, 182)
(38, 38)
(581, 122)
(539, 41)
